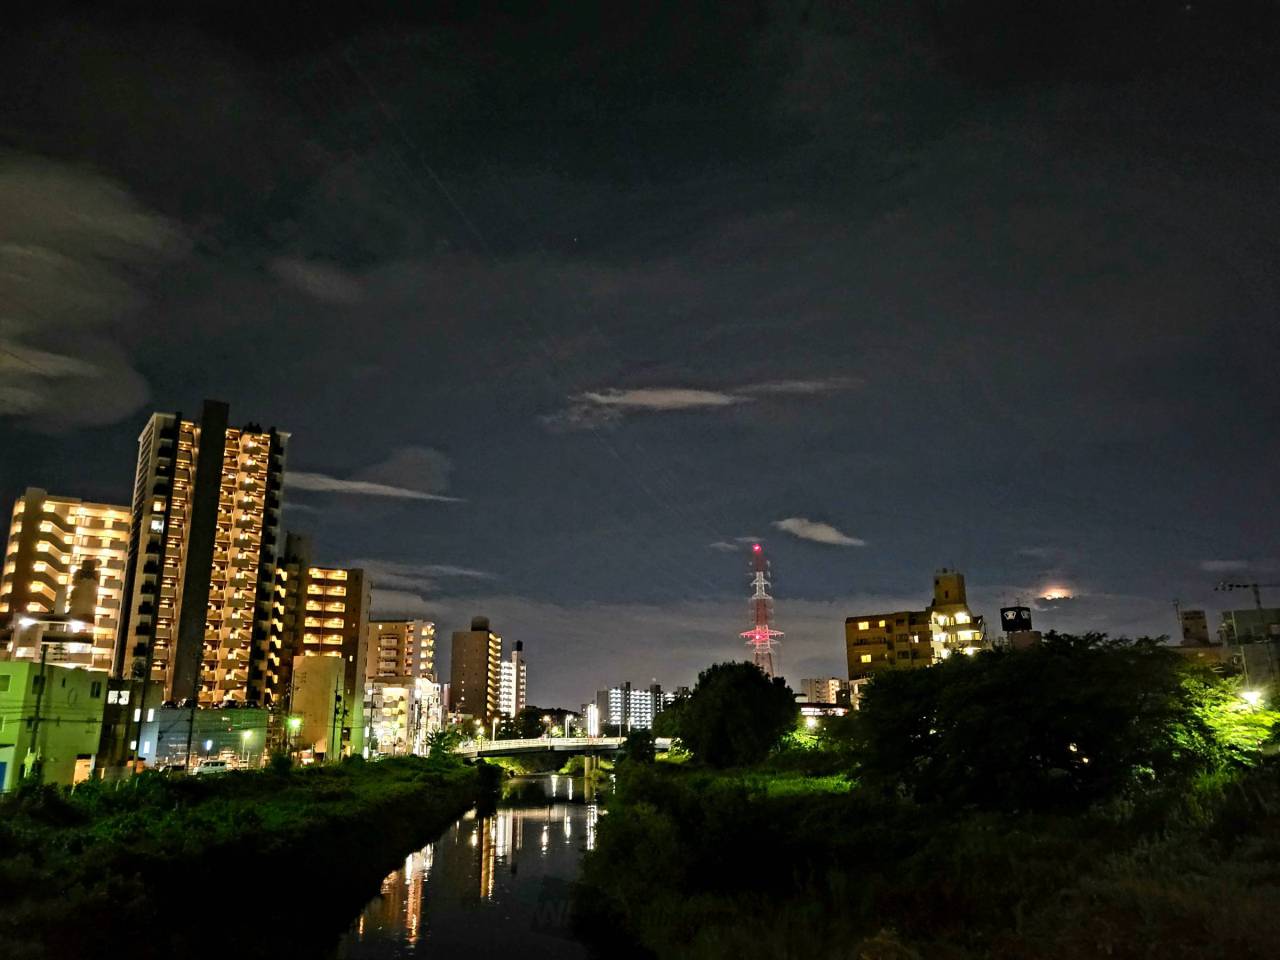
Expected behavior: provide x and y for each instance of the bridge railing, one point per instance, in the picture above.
(550, 744)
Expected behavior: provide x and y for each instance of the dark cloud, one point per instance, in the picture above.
(74, 251)
(961, 278)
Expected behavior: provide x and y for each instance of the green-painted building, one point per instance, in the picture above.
(64, 735)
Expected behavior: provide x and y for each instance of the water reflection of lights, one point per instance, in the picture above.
(593, 814)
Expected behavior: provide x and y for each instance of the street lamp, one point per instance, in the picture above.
(1252, 697)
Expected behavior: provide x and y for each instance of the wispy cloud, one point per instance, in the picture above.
(594, 408)
(320, 281)
(397, 603)
(1224, 566)
(400, 589)
(732, 546)
(409, 473)
(323, 483)
(659, 398)
(817, 531)
(75, 252)
(801, 387)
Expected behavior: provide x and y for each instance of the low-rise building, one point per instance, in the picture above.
(1247, 626)
(909, 639)
(241, 736)
(402, 714)
(51, 716)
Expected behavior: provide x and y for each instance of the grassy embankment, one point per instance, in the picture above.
(242, 864)
(783, 862)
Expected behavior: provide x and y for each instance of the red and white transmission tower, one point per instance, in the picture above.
(761, 637)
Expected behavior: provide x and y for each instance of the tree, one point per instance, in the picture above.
(529, 724)
(736, 715)
(668, 722)
(638, 747)
(1068, 722)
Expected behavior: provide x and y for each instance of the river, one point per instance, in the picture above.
(495, 885)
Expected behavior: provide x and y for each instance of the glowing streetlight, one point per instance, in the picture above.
(811, 722)
(1252, 697)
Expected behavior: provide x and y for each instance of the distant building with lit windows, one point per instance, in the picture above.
(50, 540)
(401, 648)
(624, 708)
(909, 639)
(513, 682)
(833, 690)
(324, 612)
(198, 588)
(475, 672)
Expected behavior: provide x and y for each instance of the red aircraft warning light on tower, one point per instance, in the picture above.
(761, 638)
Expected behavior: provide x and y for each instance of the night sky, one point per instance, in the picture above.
(563, 308)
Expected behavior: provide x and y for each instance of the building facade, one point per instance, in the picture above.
(825, 690)
(475, 672)
(401, 648)
(200, 576)
(513, 682)
(322, 612)
(61, 734)
(624, 708)
(50, 540)
(402, 714)
(1250, 626)
(909, 639)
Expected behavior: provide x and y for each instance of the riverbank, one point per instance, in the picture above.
(245, 864)
(693, 863)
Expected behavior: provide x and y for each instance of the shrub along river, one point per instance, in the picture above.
(495, 884)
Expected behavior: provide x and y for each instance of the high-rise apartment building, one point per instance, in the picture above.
(915, 638)
(50, 540)
(401, 648)
(475, 671)
(200, 578)
(512, 683)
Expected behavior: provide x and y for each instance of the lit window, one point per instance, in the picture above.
(866, 658)
(864, 624)
(882, 623)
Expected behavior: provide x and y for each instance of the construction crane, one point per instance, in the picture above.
(1257, 589)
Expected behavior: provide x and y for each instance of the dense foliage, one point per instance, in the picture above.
(1067, 723)
(639, 747)
(119, 857)
(735, 715)
(1085, 798)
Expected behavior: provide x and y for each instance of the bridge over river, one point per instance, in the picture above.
(577, 746)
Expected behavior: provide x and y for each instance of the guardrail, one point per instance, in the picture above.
(476, 748)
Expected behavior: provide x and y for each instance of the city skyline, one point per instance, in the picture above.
(556, 361)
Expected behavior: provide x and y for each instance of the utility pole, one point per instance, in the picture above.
(38, 760)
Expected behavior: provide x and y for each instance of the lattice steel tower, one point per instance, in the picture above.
(761, 638)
